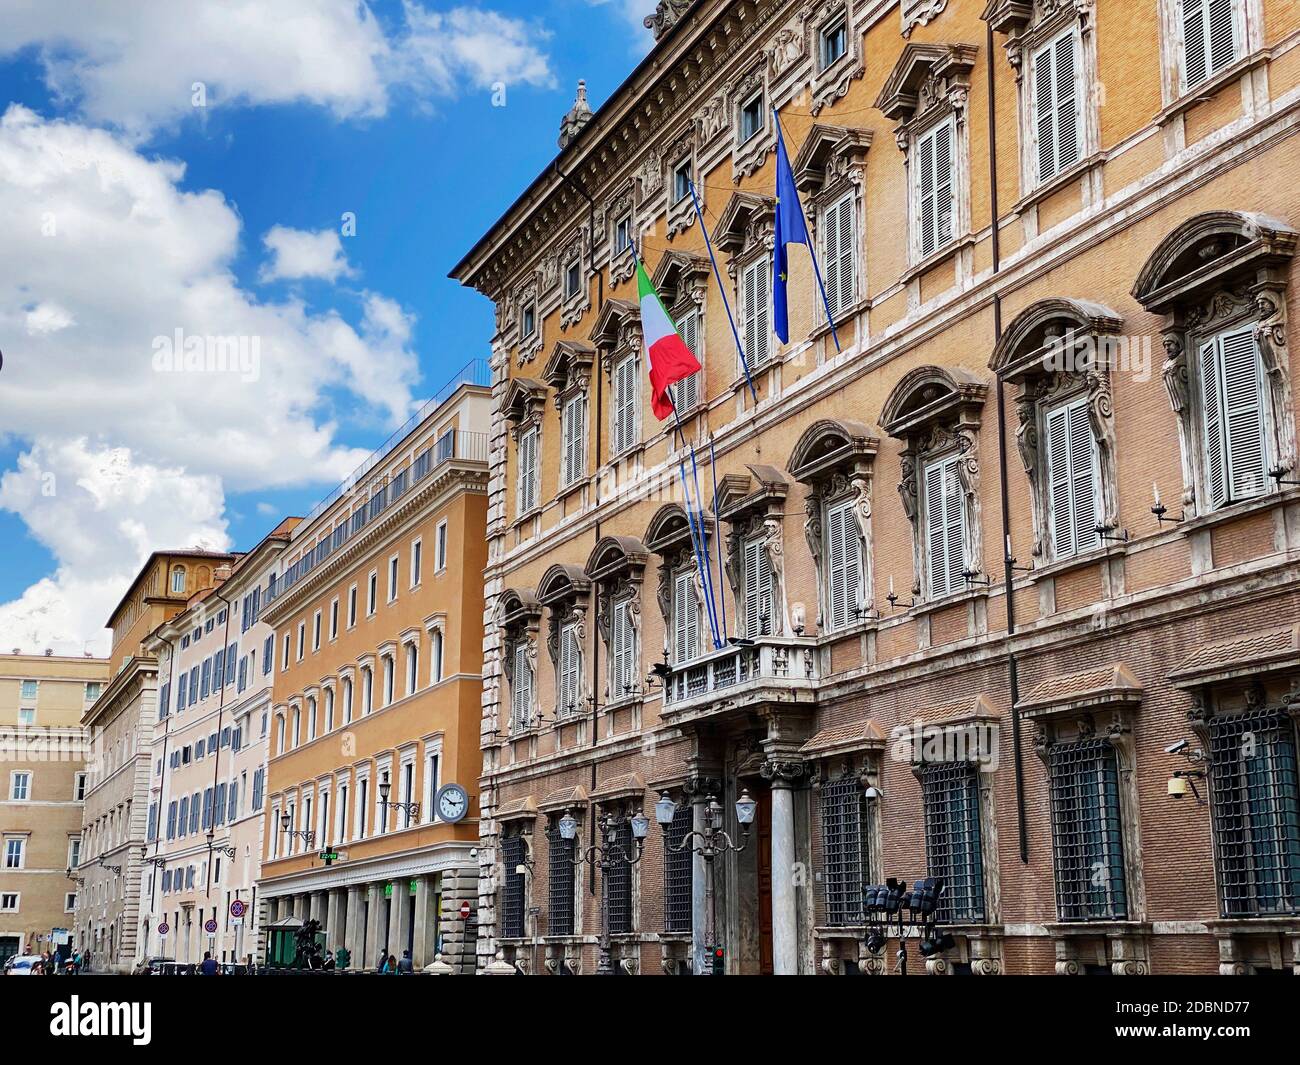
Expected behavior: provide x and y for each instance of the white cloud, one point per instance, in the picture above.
(469, 45)
(633, 13)
(135, 66)
(47, 318)
(103, 240)
(100, 512)
(299, 253)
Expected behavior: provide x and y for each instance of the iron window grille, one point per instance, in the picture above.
(1256, 810)
(1087, 839)
(677, 870)
(618, 879)
(513, 855)
(844, 849)
(559, 914)
(950, 795)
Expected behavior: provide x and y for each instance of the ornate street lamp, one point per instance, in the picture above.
(708, 842)
(307, 836)
(607, 855)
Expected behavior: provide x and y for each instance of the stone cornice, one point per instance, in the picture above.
(471, 476)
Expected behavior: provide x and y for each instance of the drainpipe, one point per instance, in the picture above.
(1008, 572)
(598, 422)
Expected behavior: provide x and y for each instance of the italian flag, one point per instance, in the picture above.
(670, 359)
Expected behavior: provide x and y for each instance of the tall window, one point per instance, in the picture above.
(1211, 39)
(627, 380)
(1056, 106)
(678, 876)
(751, 117)
(372, 593)
(513, 856)
(686, 617)
(756, 308)
(560, 874)
(838, 241)
(844, 848)
(686, 392)
(20, 787)
(440, 552)
(521, 689)
(412, 668)
(1087, 838)
(1234, 432)
(759, 593)
(933, 204)
(527, 456)
(436, 656)
(388, 679)
(945, 527)
(570, 672)
(1073, 479)
(832, 42)
(574, 431)
(1256, 807)
(950, 794)
(178, 580)
(617, 882)
(843, 564)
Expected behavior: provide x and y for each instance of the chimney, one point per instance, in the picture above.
(578, 116)
(221, 574)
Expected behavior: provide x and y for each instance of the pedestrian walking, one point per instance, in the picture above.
(209, 965)
(404, 966)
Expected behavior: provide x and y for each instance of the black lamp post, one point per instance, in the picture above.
(612, 852)
(411, 809)
(708, 842)
(307, 836)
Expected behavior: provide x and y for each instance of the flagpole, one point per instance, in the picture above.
(713, 469)
(722, 289)
(812, 253)
(707, 568)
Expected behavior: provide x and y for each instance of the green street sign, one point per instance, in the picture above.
(388, 891)
(329, 856)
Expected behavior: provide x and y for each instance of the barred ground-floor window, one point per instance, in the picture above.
(1087, 835)
(844, 848)
(678, 860)
(514, 854)
(953, 848)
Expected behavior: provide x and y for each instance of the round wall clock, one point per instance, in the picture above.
(452, 803)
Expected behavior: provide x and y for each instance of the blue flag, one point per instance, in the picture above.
(791, 228)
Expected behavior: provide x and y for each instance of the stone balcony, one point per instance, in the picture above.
(770, 669)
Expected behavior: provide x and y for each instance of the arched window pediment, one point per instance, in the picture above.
(681, 275)
(615, 555)
(929, 395)
(832, 444)
(670, 529)
(1044, 329)
(562, 581)
(523, 400)
(569, 367)
(517, 605)
(617, 330)
(1208, 251)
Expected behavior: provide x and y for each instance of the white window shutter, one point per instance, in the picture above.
(847, 244)
(522, 693)
(685, 617)
(1083, 478)
(943, 165)
(759, 295)
(758, 588)
(686, 393)
(944, 526)
(1045, 112)
(1066, 76)
(1216, 481)
(1243, 414)
(925, 195)
(844, 564)
(1221, 32)
(1195, 59)
(837, 253)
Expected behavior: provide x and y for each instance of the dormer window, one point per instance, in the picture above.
(833, 41)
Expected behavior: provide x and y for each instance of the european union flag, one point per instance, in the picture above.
(791, 228)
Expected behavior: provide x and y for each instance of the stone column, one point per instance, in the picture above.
(703, 784)
(785, 913)
(426, 921)
(316, 906)
(300, 907)
(400, 919)
(334, 919)
(356, 929)
(458, 934)
(376, 933)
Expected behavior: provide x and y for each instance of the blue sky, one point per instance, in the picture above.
(163, 212)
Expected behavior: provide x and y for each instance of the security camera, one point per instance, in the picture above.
(1176, 748)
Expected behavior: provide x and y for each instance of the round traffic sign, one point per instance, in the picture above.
(237, 908)
(210, 926)
(164, 928)
(464, 909)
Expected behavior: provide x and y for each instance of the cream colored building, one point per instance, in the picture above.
(203, 827)
(378, 673)
(43, 773)
(120, 723)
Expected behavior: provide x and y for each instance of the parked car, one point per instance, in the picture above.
(22, 964)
